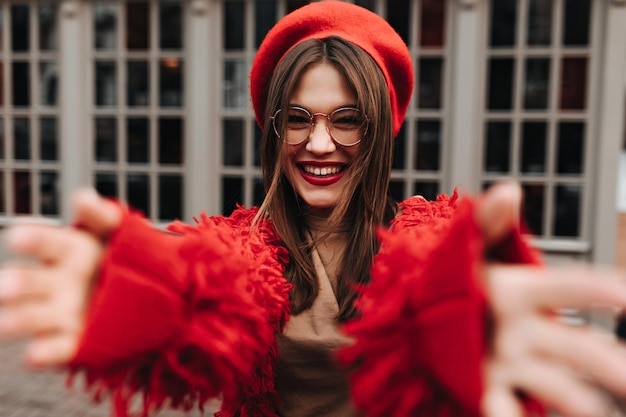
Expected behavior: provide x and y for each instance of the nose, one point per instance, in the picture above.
(320, 141)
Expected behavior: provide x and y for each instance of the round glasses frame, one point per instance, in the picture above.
(329, 127)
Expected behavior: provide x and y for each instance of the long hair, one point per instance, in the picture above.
(365, 202)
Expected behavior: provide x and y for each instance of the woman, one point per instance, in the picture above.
(255, 308)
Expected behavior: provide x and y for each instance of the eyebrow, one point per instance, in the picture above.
(351, 105)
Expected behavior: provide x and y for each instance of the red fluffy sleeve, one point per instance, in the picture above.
(181, 320)
(421, 338)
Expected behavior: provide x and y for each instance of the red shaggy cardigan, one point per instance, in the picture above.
(183, 319)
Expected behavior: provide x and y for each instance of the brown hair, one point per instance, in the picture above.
(368, 204)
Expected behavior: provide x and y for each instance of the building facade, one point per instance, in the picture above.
(147, 101)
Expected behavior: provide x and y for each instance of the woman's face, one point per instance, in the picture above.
(316, 167)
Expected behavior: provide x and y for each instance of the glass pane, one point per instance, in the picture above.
(171, 140)
(234, 25)
(2, 200)
(48, 83)
(503, 23)
(567, 212)
(497, 147)
(570, 148)
(170, 26)
(20, 28)
(137, 140)
(576, 15)
(170, 197)
(533, 147)
(21, 139)
(171, 82)
(430, 83)
(106, 81)
(1, 83)
(138, 192)
(368, 4)
(233, 142)
(106, 184)
(432, 23)
(2, 47)
(500, 85)
(138, 84)
(1, 139)
(232, 194)
(295, 4)
(537, 84)
(21, 84)
(396, 190)
(427, 189)
(258, 137)
(427, 152)
(47, 27)
(265, 17)
(49, 192)
(235, 86)
(48, 136)
(106, 143)
(259, 192)
(539, 30)
(532, 210)
(137, 26)
(399, 149)
(573, 83)
(398, 16)
(105, 26)
(21, 192)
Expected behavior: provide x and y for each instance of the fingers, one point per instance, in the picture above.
(95, 214)
(500, 401)
(51, 351)
(498, 211)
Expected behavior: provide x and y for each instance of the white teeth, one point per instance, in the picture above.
(321, 171)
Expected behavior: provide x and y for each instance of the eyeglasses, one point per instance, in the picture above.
(346, 125)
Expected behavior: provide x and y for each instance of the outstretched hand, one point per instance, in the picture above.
(44, 293)
(566, 368)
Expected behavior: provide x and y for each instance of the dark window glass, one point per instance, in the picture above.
(500, 85)
(234, 25)
(576, 18)
(258, 137)
(1, 83)
(47, 26)
(570, 148)
(503, 23)
(170, 25)
(48, 84)
(138, 192)
(430, 83)
(2, 47)
(233, 143)
(533, 147)
(21, 139)
(567, 210)
(398, 15)
(427, 189)
(3, 205)
(498, 147)
(138, 140)
(106, 83)
(432, 23)
(171, 140)
(295, 4)
(368, 4)
(138, 84)
(235, 84)
(399, 148)
(259, 192)
(21, 192)
(49, 190)
(1, 139)
(106, 139)
(539, 29)
(533, 208)
(232, 194)
(396, 190)
(105, 26)
(106, 184)
(137, 26)
(171, 82)
(427, 152)
(20, 28)
(573, 83)
(265, 18)
(537, 84)
(170, 197)
(21, 84)
(48, 136)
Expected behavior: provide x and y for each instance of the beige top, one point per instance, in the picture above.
(309, 382)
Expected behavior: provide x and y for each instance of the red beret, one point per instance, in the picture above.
(353, 23)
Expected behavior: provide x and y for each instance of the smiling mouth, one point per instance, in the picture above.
(322, 171)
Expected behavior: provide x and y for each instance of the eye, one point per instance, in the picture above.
(347, 119)
(297, 119)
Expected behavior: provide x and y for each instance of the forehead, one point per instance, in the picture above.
(322, 88)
